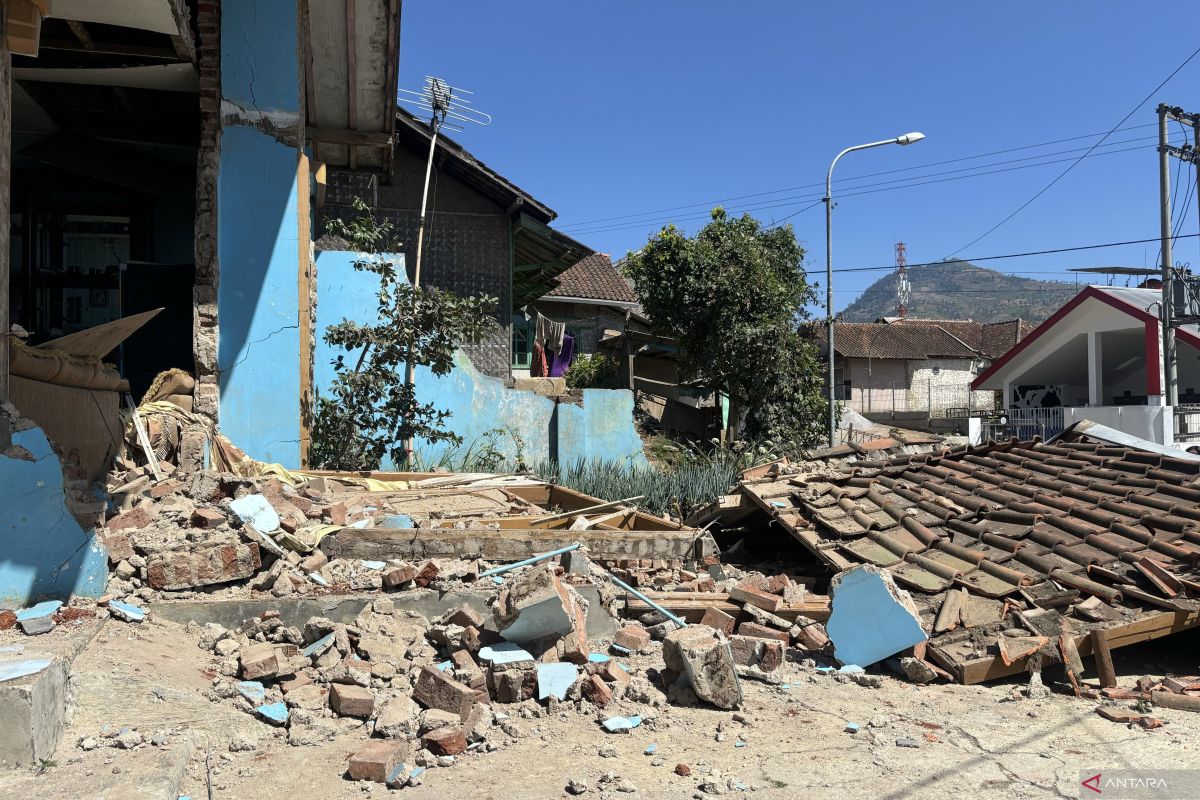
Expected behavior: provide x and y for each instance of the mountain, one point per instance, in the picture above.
(961, 290)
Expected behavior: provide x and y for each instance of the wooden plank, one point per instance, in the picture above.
(348, 137)
(1152, 625)
(502, 545)
(1103, 658)
(692, 605)
(100, 340)
(305, 304)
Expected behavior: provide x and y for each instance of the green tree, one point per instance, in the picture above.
(734, 298)
(369, 410)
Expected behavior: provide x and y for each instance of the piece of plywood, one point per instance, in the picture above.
(100, 340)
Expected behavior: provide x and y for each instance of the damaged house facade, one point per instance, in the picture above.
(183, 155)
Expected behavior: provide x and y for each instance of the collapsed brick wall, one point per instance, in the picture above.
(466, 243)
(204, 294)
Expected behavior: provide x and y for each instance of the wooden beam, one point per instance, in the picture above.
(81, 33)
(502, 545)
(182, 41)
(692, 605)
(351, 79)
(305, 288)
(111, 49)
(348, 137)
(5, 207)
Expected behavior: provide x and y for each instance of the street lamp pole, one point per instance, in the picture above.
(908, 138)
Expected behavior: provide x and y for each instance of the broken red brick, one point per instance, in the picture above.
(8, 618)
(184, 569)
(351, 701)
(466, 617)
(716, 618)
(296, 682)
(771, 657)
(597, 691)
(467, 670)
(313, 561)
(131, 520)
(337, 514)
(450, 740)
(614, 672)
(683, 770)
(776, 584)
(632, 638)
(118, 545)
(763, 632)
(259, 661)
(376, 761)
(165, 487)
(398, 576)
(811, 636)
(427, 575)
(207, 518)
(435, 689)
(1116, 714)
(755, 597)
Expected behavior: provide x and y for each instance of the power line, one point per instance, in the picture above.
(709, 204)
(882, 186)
(1075, 163)
(972, 260)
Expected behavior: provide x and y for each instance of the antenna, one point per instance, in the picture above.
(903, 289)
(446, 109)
(444, 105)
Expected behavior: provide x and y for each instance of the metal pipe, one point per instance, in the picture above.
(528, 561)
(677, 620)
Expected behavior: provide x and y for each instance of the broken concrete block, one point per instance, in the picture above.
(436, 689)
(207, 518)
(718, 619)
(255, 510)
(259, 661)
(377, 760)
(463, 616)
(126, 611)
(310, 698)
(184, 569)
(350, 700)
(809, 635)
(134, 519)
(538, 605)
(467, 671)
(397, 719)
(448, 741)
(512, 683)
(704, 656)
(555, 680)
(314, 561)
(755, 597)
(633, 638)
(871, 618)
(917, 670)
(39, 618)
(752, 651)
(613, 672)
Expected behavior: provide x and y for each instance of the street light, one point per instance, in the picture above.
(908, 138)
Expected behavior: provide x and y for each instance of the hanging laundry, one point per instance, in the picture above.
(550, 333)
(537, 364)
(562, 359)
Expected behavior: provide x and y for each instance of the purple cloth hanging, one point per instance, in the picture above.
(562, 359)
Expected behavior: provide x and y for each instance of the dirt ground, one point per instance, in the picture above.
(791, 739)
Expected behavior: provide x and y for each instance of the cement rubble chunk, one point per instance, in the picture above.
(871, 618)
(705, 657)
(536, 605)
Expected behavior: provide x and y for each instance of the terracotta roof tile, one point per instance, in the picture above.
(594, 278)
(920, 338)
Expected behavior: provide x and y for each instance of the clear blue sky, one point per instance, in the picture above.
(611, 109)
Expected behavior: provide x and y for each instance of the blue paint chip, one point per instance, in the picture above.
(739, 743)
(318, 647)
(625, 651)
(402, 521)
(852, 669)
(43, 609)
(824, 670)
(504, 653)
(555, 680)
(126, 611)
(868, 621)
(11, 670)
(851, 727)
(496, 579)
(651, 749)
(253, 691)
(616, 724)
(253, 509)
(274, 713)
(444, 665)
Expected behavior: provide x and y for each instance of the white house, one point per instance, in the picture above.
(1099, 358)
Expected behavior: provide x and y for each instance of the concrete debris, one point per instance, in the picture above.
(871, 618)
(704, 658)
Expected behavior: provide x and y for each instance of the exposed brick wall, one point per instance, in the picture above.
(208, 23)
(466, 251)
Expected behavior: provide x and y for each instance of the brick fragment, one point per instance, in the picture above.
(336, 514)
(755, 597)
(427, 575)
(118, 545)
(596, 690)
(8, 619)
(184, 569)
(464, 616)
(436, 689)
(683, 770)
(314, 561)
(467, 671)
(376, 760)
(614, 672)
(776, 584)
(763, 632)
(398, 576)
(132, 520)
(165, 487)
(351, 701)
(811, 636)
(633, 638)
(450, 740)
(207, 518)
(704, 656)
(718, 619)
(259, 661)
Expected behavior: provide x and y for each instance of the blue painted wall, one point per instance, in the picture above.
(44, 553)
(258, 231)
(602, 428)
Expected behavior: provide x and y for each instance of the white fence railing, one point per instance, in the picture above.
(1187, 424)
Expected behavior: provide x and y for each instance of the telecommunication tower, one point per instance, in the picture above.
(903, 289)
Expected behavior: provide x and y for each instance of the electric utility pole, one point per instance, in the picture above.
(1171, 303)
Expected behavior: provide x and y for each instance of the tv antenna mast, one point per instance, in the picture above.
(903, 289)
(446, 108)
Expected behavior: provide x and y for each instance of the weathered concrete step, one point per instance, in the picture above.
(151, 773)
(344, 608)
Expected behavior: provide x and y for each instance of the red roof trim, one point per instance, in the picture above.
(1090, 292)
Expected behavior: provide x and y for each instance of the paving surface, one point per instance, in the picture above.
(972, 741)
